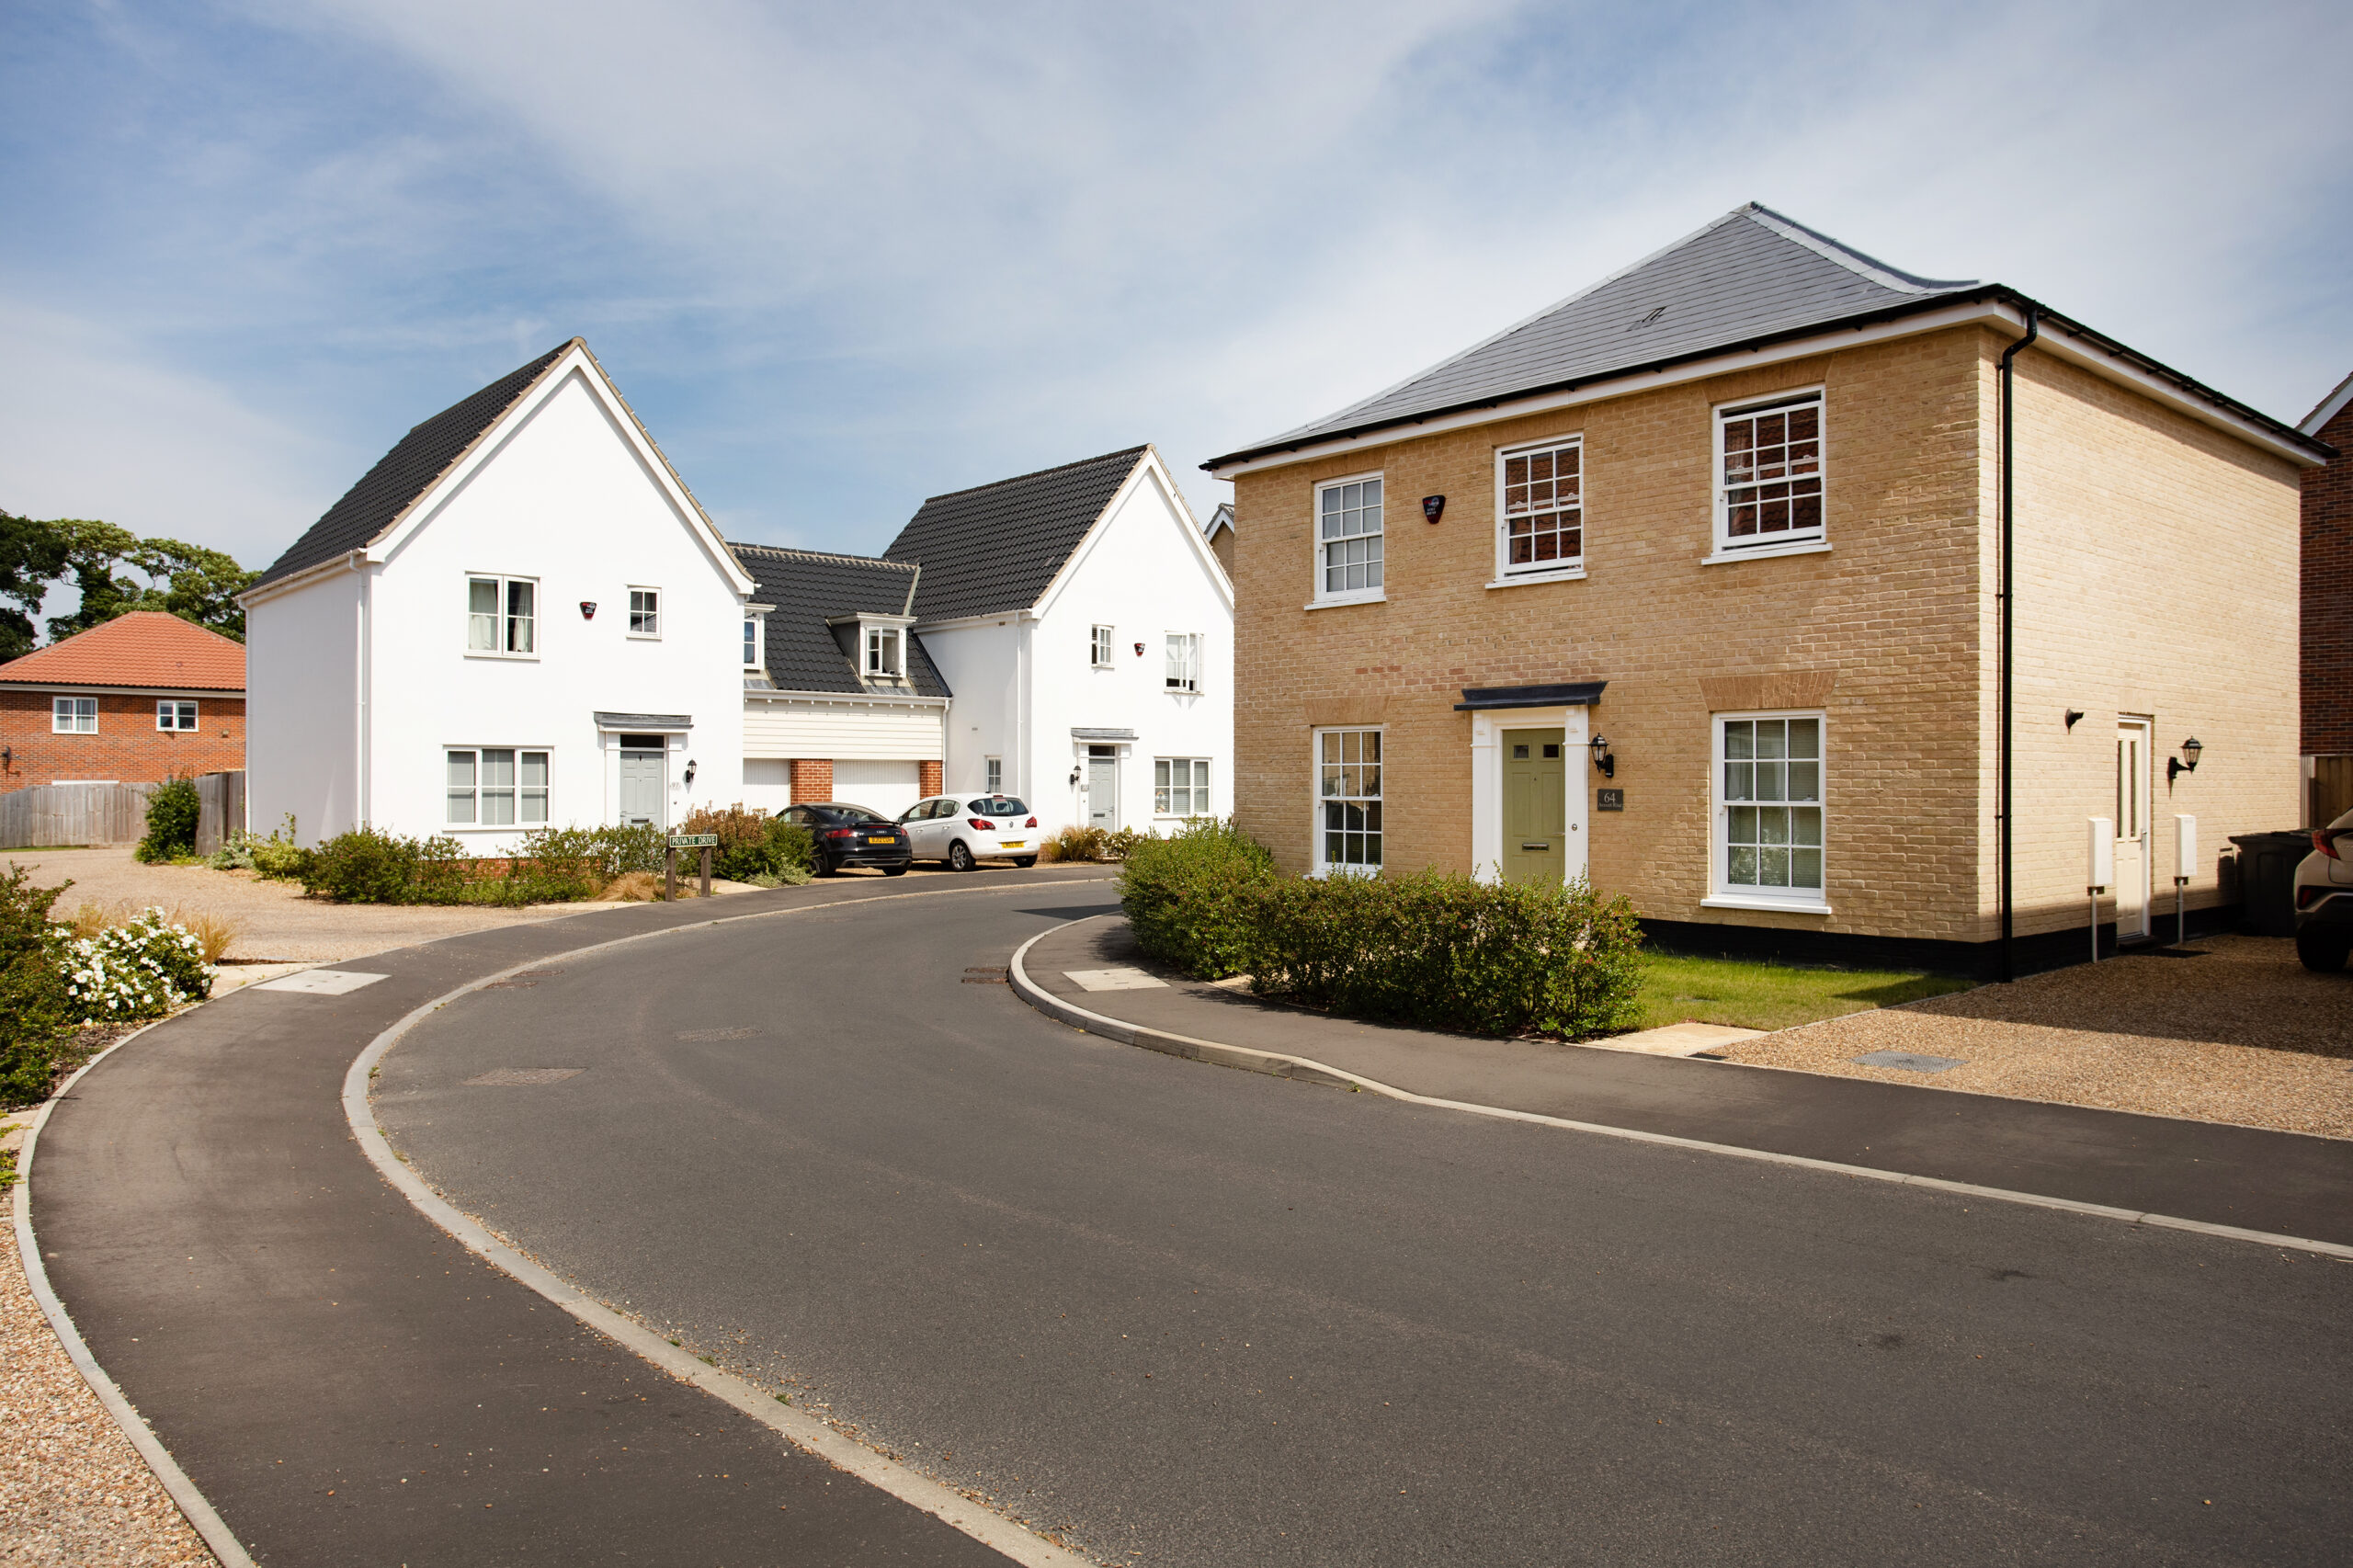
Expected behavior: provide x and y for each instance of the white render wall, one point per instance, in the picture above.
(564, 496)
(302, 692)
(1022, 684)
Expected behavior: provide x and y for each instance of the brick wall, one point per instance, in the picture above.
(928, 778)
(813, 778)
(127, 747)
(1893, 627)
(2328, 597)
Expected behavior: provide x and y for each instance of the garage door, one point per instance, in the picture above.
(886, 786)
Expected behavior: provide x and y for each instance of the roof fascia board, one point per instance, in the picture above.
(350, 560)
(976, 622)
(852, 700)
(2061, 336)
(1148, 468)
(2330, 407)
(486, 446)
(1068, 570)
(91, 686)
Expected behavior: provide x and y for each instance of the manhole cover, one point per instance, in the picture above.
(745, 1033)
(521, 1077)
(1910, 1060)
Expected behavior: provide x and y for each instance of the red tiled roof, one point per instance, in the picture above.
(146, 648)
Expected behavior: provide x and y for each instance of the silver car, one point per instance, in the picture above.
(2325, 898)
(962, 829)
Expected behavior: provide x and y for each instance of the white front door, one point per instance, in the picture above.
(642, 782)
(2131, 829)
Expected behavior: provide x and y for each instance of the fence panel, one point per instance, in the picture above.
(2332, 789)
(57, 814)
(221, 808)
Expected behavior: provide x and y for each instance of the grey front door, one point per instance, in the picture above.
(642, 784)
(1103, 792)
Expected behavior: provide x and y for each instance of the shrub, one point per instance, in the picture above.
(279, 855)
(364, 866)
(1448, 951)
(1076, 842)
(33, 999)
(171, 811)
(1183, 897)
(745, 849)
(792, 851)
(139, 970)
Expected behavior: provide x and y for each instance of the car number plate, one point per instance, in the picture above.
(881, 840)
(1009, 843)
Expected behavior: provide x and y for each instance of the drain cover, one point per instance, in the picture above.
(1911, 1061)
(521, 1077)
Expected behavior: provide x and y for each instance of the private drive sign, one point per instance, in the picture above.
(694, 841)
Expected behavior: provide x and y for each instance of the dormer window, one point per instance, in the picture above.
(755, 637)
(885, 653)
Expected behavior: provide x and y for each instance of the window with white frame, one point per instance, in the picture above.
(751, 641)
(1542, 510)
(502, 615)
(1347, 538)
(171, 714)
(1769, 806)
(496, 787)
(993, 775)
(885, 647)
(1768, 473)
(1100, 655)
(1180, 787)
(73, 715)
(1183, 661)
(645, 612)
(1348, 799)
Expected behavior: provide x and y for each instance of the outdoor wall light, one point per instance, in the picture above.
(1602, 758)
(2073, 715)
(690, 772)
(2186, 762)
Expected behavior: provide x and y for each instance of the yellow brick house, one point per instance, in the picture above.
(1693, 583)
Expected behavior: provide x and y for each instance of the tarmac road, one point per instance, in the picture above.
(1193, 1316)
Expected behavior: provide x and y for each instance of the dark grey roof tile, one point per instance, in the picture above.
(809, 588)
(996, 548)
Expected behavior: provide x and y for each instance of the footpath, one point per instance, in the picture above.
(2282, 1184)
(346, 1383)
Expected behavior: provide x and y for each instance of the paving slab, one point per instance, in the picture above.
(2282, 1183)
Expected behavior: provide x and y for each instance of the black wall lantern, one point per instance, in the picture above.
(1433, 508)
(1602, 758)
(2186, 762)
(690, 773)
(587, 610)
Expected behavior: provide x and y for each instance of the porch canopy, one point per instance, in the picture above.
(1574, 694)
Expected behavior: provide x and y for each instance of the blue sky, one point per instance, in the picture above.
(841, 258)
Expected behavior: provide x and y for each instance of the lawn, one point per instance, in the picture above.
(1772, 996)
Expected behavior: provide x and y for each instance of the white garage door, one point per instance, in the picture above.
(886, 786)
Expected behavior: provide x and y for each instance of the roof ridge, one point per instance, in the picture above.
(1135, 451)
(1847, 256)
(2327, 408)
(824, 555)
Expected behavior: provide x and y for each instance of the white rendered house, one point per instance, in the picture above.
(519, 617)
(1086, 630)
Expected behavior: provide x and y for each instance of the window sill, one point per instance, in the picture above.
(644, 636)
(1724, 556)
(1335, 603)
(508, 658)
(491, 827)
(1572, 575)
(1787, 907)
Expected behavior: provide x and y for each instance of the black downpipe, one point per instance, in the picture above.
(2010, 509)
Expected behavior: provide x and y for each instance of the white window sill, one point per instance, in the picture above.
(645, 636)
(1570, 574)
(1338, 599)
(510, 658)
(1787, 907)
(1725, 554)
(491, 827)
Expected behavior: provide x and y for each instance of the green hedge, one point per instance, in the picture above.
(754, 845)
(33, 1000)
(552, 865)
(1444, 952)
(172, 813)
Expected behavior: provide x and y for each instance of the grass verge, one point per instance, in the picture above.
(1772, 996)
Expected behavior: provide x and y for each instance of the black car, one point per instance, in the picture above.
(854, 835)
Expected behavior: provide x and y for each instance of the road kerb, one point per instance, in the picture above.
(1307, 1070)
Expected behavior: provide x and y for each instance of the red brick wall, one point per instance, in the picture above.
(2328, 597)
(813, 778)
(928, 777)
(128, 747)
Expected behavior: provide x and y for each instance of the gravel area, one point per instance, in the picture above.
(72, 1490)
(2243, 1035)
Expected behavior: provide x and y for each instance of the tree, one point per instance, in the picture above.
(186, 580)
(31, 557)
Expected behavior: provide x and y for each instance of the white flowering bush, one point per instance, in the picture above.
(142, 969)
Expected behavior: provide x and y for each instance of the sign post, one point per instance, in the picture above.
(705, 842)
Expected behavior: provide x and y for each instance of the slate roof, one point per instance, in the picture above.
(809, 587)
(144, 649)
(996, 548)
(406, 472)
(1751, 276)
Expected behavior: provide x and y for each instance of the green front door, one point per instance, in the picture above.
(1535, 806)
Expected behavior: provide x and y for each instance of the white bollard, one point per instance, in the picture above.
(2099, 870)
(2185, 858)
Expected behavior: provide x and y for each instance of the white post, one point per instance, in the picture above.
(2184, 856)
(2099, 870)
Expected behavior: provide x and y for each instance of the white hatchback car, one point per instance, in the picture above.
(962, 829)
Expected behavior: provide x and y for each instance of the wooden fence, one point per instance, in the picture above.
(221, 808)
(2332, 789)
(54, 814)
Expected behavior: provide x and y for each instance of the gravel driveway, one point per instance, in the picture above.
(2244, 1034)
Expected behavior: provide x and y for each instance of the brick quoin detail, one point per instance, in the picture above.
(2328, 597)
(813, 778)
(928, 777)
(128, 747)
